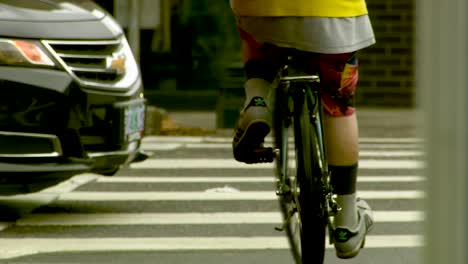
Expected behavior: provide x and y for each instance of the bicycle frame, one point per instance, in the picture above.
(299, 89)
(310, 88)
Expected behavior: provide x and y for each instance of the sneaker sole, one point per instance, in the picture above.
(368, 227)
(352, 254)
(252, 137)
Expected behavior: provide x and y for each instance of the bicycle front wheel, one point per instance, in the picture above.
(310, 199)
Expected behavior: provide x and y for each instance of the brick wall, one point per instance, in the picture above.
(386, 68)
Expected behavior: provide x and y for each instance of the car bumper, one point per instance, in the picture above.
(50, 125)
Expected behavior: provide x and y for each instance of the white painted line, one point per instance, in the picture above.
(366, 150)
(166, 142)
(168, 179)
(223, 179)
(5, 225)
(370, 154)
(71, 184)
(389, 154)
(188, 139)
(187, 218)
(33, 200)
(222, 145)
(161, 146)
(16, 247)
(390, 164)
(216, 196)
(48, 195)
(149, 219)
(390, 140)
(172, 139)
(193, 164)
(389, 146)
(233, 164)
(377, 179)
(224, 139)
(394, 194)
(209, 146)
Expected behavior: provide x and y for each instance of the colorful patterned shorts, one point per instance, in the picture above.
(338, 72)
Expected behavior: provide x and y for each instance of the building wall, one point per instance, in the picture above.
(386, 68)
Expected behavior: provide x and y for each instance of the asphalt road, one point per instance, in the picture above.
(191, 203)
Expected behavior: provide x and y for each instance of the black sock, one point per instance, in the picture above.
(343, 179)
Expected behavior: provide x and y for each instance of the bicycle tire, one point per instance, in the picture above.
(282, 123)
(311, 200)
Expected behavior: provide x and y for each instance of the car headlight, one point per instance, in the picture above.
(23, 52)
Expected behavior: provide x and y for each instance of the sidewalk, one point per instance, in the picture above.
(373, 122)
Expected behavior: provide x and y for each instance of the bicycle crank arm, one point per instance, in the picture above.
(286, 221)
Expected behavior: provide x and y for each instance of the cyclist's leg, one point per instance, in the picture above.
(261, 65)
(342, 144)
(340, 126)
(339, 76)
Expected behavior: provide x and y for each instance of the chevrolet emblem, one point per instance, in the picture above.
(117, 63)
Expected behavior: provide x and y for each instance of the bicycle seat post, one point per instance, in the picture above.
(291, 73)
(285, 69)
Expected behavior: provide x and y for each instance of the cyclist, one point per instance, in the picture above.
(327, 33)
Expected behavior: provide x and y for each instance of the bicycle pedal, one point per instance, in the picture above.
(259, 155)
(279, 228)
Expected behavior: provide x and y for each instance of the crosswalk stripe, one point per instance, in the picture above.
(4, 225)
(150, 146)
(379, 154)
(391, 140)
(216, 195)
(16, 247)
(231, 163)
(161, 146)
(174, 139)
(224, 179)
(367, 151)
(229, 146)
(187, 218)
(389, 146)
(191, 139)
(371, 149)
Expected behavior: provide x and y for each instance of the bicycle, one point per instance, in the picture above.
(306, 196)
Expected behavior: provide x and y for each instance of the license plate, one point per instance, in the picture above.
(134, 122)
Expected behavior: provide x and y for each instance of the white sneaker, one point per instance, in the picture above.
(253, 126)
(348, 242)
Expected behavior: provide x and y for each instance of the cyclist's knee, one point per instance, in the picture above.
(338, 106)
(339, 76)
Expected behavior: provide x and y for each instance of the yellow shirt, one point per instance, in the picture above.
(301, 8)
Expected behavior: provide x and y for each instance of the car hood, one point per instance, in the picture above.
(49, 11)
(56, 19)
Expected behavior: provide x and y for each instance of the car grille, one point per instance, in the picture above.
(95, 63)
(28, 109)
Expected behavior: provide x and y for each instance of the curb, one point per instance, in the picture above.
(159, 122)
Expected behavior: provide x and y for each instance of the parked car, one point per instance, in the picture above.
(71, 94)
